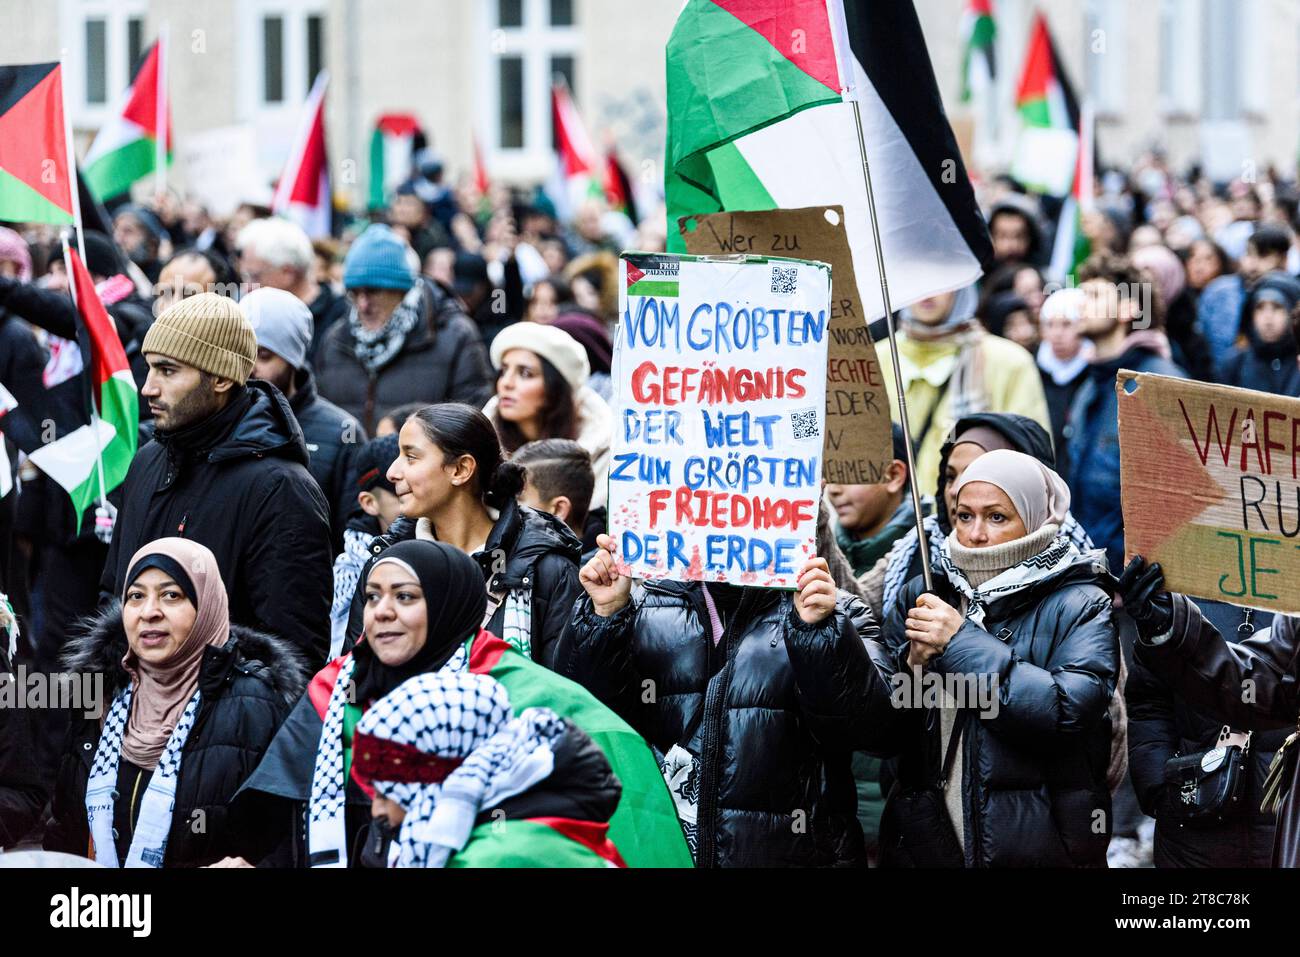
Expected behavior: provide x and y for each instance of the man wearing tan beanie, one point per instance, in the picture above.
(227, 467)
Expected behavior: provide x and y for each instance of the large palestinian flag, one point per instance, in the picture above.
(126, 148)
(761, 106)
(302, 193)
(35, 182)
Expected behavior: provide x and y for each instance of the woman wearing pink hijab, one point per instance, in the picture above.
(1178, 303)
(189, 704)
(1008, 665)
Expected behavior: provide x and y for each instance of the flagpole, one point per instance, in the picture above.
(839, 33)
(74, 195)
(160, 115)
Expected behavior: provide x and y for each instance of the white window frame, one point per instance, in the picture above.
(1181, 47)
(1105, 74)
(536, 42)
(73, 15)
(251, 61)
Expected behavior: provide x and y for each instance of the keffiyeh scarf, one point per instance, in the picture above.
(149, 842)
(462, 718)
(347, 572)
(326, 807)
(376, 348)
(1058, 555)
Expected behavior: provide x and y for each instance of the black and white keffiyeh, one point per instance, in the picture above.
(899, 560)
(1058, 555)
(458, 715)
(149, 841)
(376, 348)
(326, 826)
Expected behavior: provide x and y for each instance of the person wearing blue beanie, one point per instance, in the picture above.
(405, 339)
(379, 259)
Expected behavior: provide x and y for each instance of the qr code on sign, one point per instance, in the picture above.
(805, 424)
(785, 281)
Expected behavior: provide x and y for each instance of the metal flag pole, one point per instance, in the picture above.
(840, 37)
(161, 106)
(73, 194)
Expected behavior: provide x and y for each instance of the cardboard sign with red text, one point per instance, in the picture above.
(720, 405)
(1210, 480)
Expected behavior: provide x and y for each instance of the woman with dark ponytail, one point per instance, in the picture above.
(455, 486)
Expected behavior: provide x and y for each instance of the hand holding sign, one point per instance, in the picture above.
(608, 589)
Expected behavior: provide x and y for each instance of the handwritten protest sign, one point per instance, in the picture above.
(858, 444)
(1211, 488)
(719, 399)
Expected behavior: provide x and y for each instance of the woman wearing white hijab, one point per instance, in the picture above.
(1007, 765)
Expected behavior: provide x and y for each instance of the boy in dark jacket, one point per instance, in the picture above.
(1267, 363)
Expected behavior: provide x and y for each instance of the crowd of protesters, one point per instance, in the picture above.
(357, 607)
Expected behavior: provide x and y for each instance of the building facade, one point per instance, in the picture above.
(1211, 80)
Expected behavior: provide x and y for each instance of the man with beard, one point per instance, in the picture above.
(227, 467)
(283, 326)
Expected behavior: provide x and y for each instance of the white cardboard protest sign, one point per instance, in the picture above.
(720, 402)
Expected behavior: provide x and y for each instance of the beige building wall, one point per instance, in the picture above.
(434, 58)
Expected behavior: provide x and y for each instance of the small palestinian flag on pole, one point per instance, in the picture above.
(1071, 246)
(618, 187)
(92, 460)
(482, 182)
(128, 146)
(577, 174)
(36, 183)
(1048, 149)
(979, 31)
(303, 191)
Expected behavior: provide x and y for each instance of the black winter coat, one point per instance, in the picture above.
(326, 309)
(23, 788)
(541, 553)
(1034, 775)
(442, 360)
(774, 733)
(1210, 672)
(332, 438)
(238, 483)
(1162, 725)
(248, 687)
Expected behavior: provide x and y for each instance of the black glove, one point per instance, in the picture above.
(1142, 587)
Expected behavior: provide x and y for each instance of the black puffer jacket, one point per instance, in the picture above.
(774, 732)
(541, 553)
(442, 360)
(248, 686)
(1162, 725)
(238, 483)
(1211, 672)
(1034, 775)
(332, 438)
(23, 788)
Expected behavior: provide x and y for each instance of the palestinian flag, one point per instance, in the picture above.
(644, 829)
(618, 188)
(979, 31)
(110, 433)
(578, 175)
(761, 97)
(1048, 149)
(126, 148)
(302, 193)
(35, 182)
(392, 149)
(1071, 247)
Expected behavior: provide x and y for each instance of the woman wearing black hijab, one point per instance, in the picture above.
(423, 606)
(424, 601)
